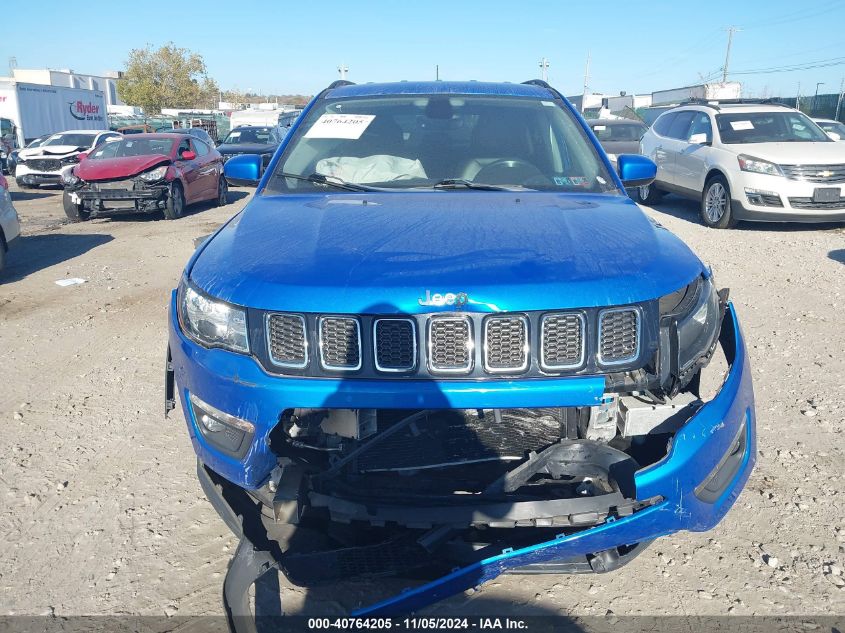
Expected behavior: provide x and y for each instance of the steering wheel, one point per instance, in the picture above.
(507, 172)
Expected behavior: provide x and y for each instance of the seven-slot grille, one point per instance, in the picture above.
(619, 336)
(395, 345)
(562, 344)
(509, 343)
(340, 343)
(286, 340)
(450, 347)
(815, 173)
(505, 343)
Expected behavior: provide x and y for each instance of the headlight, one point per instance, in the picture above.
(70, 178)
(70, 160)
(698, 327)
(758, 166)
(210, 322)
(154, 174)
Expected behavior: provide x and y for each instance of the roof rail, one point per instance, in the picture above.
(716, 103)
(339, 83)
(537, 82)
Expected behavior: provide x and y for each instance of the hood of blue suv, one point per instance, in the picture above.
(382, 252)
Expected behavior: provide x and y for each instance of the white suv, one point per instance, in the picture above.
(746, 161)
(48, 163)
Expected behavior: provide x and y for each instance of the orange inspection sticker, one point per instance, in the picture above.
(349, 126)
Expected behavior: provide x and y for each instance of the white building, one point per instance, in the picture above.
(66, 78)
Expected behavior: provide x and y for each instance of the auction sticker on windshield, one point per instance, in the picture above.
(349, 126)
(742, 125)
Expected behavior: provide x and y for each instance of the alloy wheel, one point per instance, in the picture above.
(716, 202)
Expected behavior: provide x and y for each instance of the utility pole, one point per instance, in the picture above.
(839, 100)
(798, 98)
(544, 69)
(813, 108)
(437, 72)
(586, 78)
(343, 69)
(731, 31)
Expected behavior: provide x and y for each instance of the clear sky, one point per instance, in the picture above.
(295, 47)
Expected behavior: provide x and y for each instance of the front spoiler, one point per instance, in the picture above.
(718, 444)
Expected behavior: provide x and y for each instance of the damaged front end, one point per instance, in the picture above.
(464, 487)
(144, 193)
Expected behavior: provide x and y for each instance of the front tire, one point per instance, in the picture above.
(716, 209)
(75, 212)
(649, 195)
(175, 206)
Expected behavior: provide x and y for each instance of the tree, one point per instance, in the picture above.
(168, 77)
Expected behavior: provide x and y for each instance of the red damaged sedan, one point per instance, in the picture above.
(145, 173)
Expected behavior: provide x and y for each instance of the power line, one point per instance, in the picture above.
(795, 16)
(819, 63)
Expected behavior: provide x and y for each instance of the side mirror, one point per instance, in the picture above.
(699, 139)
(834, 136)
(189, 155)
(243, 170)
(82, 156)
(635, 170)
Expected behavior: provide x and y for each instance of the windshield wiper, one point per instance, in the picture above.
(463, 183)
(329, 181)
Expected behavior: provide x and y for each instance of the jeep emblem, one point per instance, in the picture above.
(449, 299)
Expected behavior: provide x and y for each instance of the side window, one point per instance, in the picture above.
(680, 125)
(184, 146)
(664, 122)
(104, 138)
(202, 148)
(701, 125)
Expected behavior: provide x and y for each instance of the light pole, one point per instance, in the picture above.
(343, 69)
(821, 83)
(544, 69)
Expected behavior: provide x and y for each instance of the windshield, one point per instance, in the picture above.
(133, 147)
(422, 141)
(768, 127)
(257, 135)
(835, 127)
(76, 140)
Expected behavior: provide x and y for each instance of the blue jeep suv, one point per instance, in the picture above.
(442, 343)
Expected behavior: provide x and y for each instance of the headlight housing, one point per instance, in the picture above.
(70, 178)
(690, 321)
(154, 174)
(211, 322)
(70, 160)
(699, 326)
(758, 165)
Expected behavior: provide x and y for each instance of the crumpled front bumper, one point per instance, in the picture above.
(708, 463)
(716, 447)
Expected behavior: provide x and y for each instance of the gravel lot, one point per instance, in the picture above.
(101, 513)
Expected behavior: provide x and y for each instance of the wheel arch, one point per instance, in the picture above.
(713, 171)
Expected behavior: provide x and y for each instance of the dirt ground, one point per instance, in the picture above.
(101, 513)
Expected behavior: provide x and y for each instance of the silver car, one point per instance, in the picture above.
(618, 136)
(10, 226)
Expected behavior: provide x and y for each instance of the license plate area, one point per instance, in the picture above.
(118, 185)
(826, 194)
